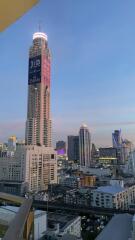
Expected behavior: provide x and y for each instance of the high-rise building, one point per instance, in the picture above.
(116, 139)
(36, 166)
(35, 163)
(61, 147)
(85, 146)
(73, 148)
(117, 143)
(107, 156)
(94, 154)
(38, 124)
(127, 147)
(12, 143)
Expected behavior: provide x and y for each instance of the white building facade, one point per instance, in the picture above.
(113, 197)
(34, 165)
(40, 224)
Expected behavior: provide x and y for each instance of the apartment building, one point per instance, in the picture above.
(113, 197)
(34, 165)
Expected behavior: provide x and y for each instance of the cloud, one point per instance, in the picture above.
(113, 124)
(8, 128)
(101, 132)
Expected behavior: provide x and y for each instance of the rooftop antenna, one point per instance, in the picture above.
(39, 26)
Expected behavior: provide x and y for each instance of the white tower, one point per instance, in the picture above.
(85, 146)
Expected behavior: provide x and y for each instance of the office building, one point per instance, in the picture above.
(38, 124)
(61, 147)
(94, 154)
(85, 146)
(73, 148)
(108, 156)
(127, 147)
(116, 138)
(130, 165)
(117, 143)
(14, 187)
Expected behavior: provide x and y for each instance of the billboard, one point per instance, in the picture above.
(34, 70)
(61, 151)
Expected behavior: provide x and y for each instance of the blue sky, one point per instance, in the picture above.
(93, 67)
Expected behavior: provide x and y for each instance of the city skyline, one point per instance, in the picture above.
(104, 58)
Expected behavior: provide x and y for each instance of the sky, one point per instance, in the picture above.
(93, 68)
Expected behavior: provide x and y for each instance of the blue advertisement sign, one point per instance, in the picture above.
(34, 70)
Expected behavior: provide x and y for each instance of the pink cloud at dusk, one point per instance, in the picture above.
(8, 128)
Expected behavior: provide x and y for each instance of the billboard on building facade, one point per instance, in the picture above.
(34, 70)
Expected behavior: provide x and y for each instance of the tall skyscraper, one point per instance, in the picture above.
(117, 143)
(73, 148)
(116, 139)
(127, 147)
(38, 124)
(85, 146)
(34, 164)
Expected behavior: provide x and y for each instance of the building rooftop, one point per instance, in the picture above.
(69, 236)
(110, 189)
(119, 228)
(39, 35)
(84, 125)
(62, 219)
(97, 171)
(39, 213)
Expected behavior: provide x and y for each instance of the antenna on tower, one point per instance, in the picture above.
(39, 26)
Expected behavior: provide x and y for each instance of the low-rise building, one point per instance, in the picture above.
(14, 187)
(40, 224)
(99, 172)
(71, 181)
(59, 225)
(86, 180)
(113, 197)
(75, 197)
